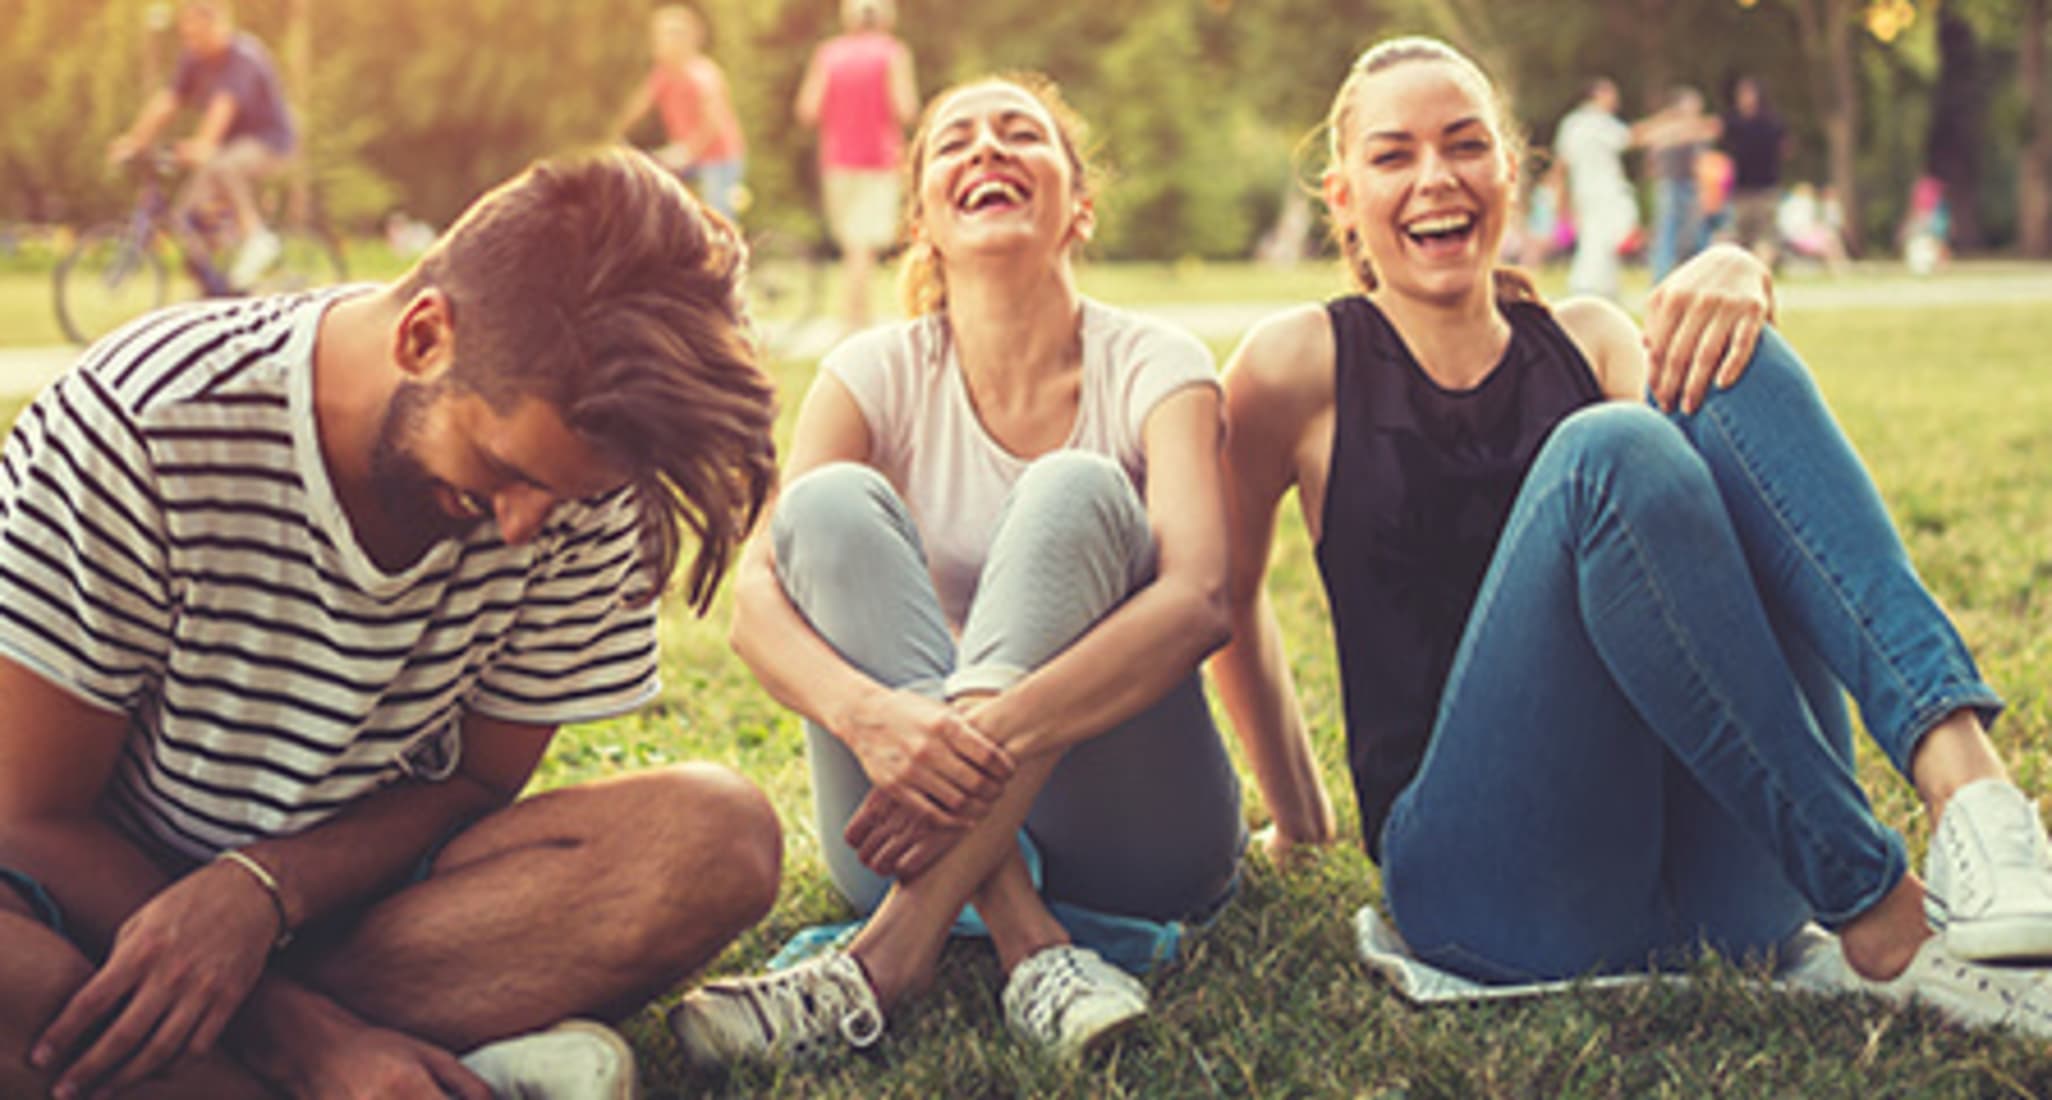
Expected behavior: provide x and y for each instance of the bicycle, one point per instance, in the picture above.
(118, 270)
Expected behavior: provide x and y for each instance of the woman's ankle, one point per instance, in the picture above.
(1952, 754)
(1879, 943)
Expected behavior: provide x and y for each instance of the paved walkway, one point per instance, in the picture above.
(25, 371)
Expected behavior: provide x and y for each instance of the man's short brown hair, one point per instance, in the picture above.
(597, 283)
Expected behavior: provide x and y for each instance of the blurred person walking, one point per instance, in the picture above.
(1757, 139)
(702, 137)
(1675, 138)
(245, 135)
(1591, 142)
(860, 94)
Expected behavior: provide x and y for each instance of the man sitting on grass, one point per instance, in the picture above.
(293, 594)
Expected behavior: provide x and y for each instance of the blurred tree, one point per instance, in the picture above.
(1199, 104)
(1958, 119)
(2034, 172)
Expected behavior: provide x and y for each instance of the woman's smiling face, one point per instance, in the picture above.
(1424, 178)
(995, 174)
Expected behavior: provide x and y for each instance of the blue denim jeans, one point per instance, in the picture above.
(1643, 748)
(1677, 232)
(1142, 820)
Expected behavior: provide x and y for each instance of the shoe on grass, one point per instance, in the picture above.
(574, 1060)
(1070, 1001)
(259, 251)
(800, 1014)
(1989, 876)
(1971, 993)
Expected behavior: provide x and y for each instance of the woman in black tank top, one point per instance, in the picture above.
(1593, 654)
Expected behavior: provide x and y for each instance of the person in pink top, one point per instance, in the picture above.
(702, 136)
(859, 93)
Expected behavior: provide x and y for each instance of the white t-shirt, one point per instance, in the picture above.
(1592, 143)
(926, 439)
(171, 548)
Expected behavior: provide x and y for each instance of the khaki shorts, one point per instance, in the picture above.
(861, 207)
(1752, 217)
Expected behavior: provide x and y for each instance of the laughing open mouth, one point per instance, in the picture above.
(991, 193)
(1441, 228)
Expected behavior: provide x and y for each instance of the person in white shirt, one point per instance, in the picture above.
(995, 565)
(1592, 142)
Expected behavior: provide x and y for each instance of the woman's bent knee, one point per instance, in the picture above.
(1626, 449)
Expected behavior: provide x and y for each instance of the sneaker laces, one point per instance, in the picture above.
(1052, 987)
(809, 1004)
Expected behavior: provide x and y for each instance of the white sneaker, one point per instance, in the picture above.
(1989, 876)
(575, 1060)
(802, 1014)
(258, 252)
(1070, 1001)
(1970, 993)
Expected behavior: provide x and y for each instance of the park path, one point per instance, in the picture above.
(25, 371)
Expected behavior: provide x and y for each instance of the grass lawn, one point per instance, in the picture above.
(1948, 405)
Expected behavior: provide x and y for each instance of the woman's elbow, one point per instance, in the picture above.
(1209, 608)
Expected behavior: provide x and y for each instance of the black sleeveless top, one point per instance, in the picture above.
(1421, 483)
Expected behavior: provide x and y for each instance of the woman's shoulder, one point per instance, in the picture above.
(1133, 337)
(1608, 340)
(1291, 349)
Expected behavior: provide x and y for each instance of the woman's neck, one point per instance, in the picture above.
(1013, 331)
(1457, 343)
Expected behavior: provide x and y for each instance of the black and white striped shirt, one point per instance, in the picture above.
(171, 548)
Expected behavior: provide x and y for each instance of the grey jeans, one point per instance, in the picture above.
(1143, 819)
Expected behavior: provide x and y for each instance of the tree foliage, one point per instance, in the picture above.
(1201, 107)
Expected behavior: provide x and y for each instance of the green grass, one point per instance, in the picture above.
(1948, 405)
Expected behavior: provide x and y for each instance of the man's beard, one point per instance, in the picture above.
(400, 484)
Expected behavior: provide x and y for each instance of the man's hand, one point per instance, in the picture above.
(180, 968)
(122, 149)
(193, 152)
(927, 757)
(894, 840)
(1702, 322)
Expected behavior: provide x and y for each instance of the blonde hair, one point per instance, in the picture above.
(922, 285)
(1512, 285)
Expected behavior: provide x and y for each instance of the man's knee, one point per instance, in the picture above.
(712, 840)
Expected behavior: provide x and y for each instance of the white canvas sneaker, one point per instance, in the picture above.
(1988, 880)
(801, 1014)
(575, 1060)
(1971, 993)
(1070, 1001)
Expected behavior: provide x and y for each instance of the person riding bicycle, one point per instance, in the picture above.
(702, 136)
(246, 132)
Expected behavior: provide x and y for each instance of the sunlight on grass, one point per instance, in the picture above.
(1948, 406)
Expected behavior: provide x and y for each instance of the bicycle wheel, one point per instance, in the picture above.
(106, 280)
(307, 259)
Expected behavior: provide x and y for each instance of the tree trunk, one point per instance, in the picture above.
(2034, 170)
(1842, 120)
(1825, 29)
(1952, 150)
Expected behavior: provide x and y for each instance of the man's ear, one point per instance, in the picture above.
(424, 341)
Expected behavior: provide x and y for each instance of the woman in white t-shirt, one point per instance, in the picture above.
(998, 558)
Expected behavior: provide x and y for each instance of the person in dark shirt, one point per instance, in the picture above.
(1596, 619)
(245, 133)
(1756, 138)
